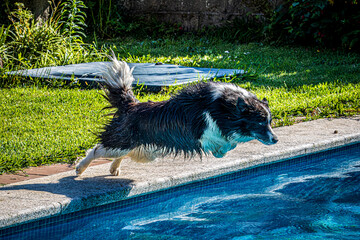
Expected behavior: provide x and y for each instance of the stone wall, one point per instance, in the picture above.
(196, 14)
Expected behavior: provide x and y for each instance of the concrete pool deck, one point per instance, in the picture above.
(65, 192)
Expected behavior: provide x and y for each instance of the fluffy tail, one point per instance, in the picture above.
(117, 83)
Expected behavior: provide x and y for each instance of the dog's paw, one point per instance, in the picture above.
(115, 171)
(79, 170)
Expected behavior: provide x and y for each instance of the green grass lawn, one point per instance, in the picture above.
(43, 125)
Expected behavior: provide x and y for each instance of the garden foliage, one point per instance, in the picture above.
(324, 23)
(29, 40)
(27, 43)
(73, 19)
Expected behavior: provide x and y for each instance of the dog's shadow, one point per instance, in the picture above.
(77, 187)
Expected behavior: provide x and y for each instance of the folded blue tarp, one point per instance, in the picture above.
(149, 74)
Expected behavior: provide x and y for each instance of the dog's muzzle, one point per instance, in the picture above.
(268, 137)
(272, 139)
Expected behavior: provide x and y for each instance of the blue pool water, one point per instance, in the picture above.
(313, 197)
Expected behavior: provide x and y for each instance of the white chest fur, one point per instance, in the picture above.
(213, 141)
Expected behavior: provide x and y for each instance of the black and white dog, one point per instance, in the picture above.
(210, 117)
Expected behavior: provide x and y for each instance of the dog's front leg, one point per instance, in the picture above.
(85, 162)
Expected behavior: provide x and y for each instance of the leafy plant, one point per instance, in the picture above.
(29, 39)
(4, 54)
(73, 19)
(325, 23)
(27, 43)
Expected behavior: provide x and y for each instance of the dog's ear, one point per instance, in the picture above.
(265, 101)
(241, 104)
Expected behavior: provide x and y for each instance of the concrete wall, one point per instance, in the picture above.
(195, 14)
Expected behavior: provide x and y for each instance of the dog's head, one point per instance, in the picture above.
(245, 116)
(255, 120)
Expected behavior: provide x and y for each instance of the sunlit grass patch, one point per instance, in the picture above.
(41, 126)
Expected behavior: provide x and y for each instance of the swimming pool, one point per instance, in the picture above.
(315, 196)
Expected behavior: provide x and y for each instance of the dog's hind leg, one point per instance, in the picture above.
(139, 154)
(115, 166)
(98, 152)
(144, 154)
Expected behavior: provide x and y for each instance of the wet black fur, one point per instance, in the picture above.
(176, 125)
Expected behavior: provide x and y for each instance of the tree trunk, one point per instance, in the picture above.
(40, 8)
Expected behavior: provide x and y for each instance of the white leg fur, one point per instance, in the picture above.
(115, 166)
(85, 162)
(139, 154)
(98, 152)
(143, 154)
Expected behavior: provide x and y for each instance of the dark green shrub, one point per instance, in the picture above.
(324, 23)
